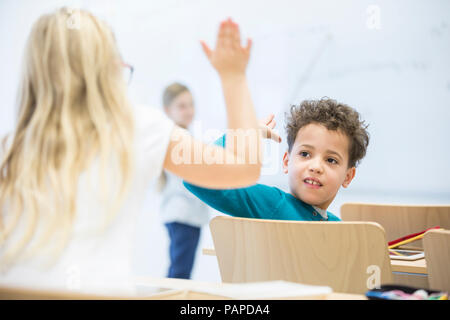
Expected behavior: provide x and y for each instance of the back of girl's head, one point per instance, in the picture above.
(70, 55)
(72, 106)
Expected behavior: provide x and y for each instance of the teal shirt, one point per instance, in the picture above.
(257, 201)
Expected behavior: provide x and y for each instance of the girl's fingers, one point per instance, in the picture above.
(206, 49)
(249, 45)
(236, 36)
(221, 35)
(228, 34)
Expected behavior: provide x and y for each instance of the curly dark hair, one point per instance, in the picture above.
(334, 116)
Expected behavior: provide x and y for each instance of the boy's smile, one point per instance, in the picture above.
(317, 165)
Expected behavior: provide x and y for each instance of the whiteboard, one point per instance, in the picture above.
(387, 59)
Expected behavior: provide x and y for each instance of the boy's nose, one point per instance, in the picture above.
(316, 170)
(314, 167)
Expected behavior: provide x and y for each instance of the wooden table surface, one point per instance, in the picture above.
(185, 290)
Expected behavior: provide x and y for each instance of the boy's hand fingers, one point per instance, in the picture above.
(273, 136)
(272, 124)
(267, 126)
(268, 119)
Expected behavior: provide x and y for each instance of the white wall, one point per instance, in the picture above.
(396, 75)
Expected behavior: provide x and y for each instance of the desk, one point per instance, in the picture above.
(186, 291)
(192, 295)
(20, 293)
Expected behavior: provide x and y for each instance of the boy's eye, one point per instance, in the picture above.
(331, 160)
(304, 154)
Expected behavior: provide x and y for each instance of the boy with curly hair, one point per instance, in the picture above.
(326, 142)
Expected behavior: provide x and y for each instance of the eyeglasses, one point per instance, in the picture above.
(128, 72)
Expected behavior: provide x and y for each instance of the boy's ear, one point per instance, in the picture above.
(285, 162)
(349, 177)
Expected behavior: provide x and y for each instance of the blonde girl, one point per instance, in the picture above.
(75, 170)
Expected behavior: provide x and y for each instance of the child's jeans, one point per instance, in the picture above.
(183, 246)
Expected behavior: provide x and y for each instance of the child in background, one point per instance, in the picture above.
(182, 213)
(326, 141)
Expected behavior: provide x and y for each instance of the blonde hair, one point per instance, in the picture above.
(72, 108)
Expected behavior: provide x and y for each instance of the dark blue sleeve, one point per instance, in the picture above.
(257, 201)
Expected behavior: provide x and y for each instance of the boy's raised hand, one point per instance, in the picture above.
(267, 125)
(229, 58)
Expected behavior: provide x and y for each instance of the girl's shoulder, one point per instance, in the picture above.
(146, 116)
(151, 124)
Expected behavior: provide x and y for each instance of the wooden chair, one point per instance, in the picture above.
(336, 254)
(436, 245)
(399, 220)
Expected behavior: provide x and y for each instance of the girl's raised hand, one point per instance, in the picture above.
(229, 58)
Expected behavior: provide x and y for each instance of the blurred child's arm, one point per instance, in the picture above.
(206, 165)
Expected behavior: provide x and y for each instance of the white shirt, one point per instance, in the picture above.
(322, 212)
(101, 263)
(179, 205)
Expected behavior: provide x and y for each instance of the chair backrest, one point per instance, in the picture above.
(399, 220)
(436, 245)
(348, 257)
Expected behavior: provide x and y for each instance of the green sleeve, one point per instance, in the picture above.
(257, 201)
